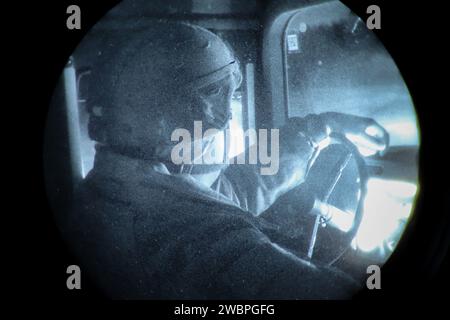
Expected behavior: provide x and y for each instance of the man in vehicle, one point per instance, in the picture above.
(145, 227)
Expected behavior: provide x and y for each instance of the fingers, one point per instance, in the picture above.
(363, 132)
(374, 143)
(377, 135)
(369, 135)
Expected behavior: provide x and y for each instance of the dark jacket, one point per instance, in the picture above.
(141, 234)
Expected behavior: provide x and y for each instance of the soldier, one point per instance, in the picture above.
(145, 227)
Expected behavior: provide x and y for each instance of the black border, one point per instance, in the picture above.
(42, 44)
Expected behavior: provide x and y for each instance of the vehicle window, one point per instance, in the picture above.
(334, 63)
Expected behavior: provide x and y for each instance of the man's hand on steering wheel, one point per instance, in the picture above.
(361, 131)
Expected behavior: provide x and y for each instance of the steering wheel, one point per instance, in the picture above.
(336, 183)
(338, 179)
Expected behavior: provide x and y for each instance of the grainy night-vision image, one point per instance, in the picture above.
(231, 150)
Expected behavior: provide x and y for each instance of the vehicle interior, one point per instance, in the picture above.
(297, 58)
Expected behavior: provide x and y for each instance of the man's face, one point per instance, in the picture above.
(215, 100)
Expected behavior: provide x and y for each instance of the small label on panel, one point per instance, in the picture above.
(292, 43)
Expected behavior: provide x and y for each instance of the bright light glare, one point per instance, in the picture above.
(341, 219)
(387, 203)
(403, 132)
(362, 144)
(237, 143)
(372, 131)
